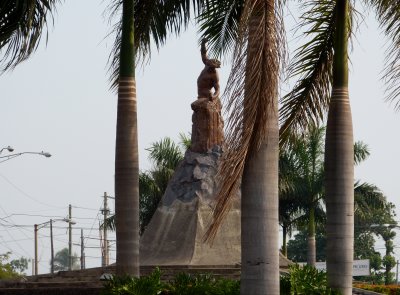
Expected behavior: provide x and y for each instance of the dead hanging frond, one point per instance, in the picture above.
(252, 90)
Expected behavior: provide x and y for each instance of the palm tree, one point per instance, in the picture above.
(322, 64)
(252, 139)
(304, 155)
(309, 150)
(291, 187)
(61, 260)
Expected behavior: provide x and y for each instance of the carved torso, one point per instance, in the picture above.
(208, 78)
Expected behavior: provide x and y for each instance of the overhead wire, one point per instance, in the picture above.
(12, 237)
(26, 194)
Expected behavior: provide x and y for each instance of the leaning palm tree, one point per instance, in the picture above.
(322, 64)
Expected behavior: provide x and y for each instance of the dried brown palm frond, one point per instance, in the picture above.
(252, 90)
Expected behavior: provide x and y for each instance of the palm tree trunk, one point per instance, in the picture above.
(260, 251)
(284, 241)
(259, 217)
(339, 165)
(311, 246)
(126, 154)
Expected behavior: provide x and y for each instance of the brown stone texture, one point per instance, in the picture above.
(208, 125)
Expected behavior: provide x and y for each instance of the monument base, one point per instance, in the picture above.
(208, 125)
(175, 234)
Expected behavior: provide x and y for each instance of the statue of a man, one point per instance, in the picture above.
(208, 78)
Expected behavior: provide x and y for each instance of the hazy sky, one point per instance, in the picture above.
(59, 101)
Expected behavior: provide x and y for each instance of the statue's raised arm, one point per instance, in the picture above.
(208, 78)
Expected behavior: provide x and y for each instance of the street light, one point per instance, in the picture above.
(12, 156)
(10, 149)
(39, 226)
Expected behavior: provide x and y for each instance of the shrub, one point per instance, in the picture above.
(183, 284)
(146, 285)
(206, 284)
(384, 289)
(301, 281)
(308, 280)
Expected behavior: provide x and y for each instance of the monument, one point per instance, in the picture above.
(175, 234)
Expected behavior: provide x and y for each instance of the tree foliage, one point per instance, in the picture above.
(61, 260)
(6, 269)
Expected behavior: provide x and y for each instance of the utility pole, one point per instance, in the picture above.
(82, 251)
(105, 211)
(52, 246)
(70, 237)
(397, 272)
(36, 248)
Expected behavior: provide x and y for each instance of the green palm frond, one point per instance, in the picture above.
(388, 14)
(219, 25)
(155, 20)
(185, 141)
(165, 153)
(361, 152)
(367, 199)
(308, 101)
(109, 223)
(21, 27)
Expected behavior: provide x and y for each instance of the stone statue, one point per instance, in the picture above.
(208, 78)
(208, 126)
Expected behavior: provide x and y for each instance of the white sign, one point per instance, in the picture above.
(360, 267)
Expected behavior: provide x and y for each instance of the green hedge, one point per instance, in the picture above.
(384, 289)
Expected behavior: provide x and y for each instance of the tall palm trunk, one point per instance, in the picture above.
(311, 246)
(126, 153)
(260, 227)
(339, 162)
(284, 240)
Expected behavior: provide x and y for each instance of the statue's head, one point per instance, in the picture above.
(213, 63)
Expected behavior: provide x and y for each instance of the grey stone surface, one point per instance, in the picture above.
(175, 234)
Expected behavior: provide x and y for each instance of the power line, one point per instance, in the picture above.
(85, 208)
(25, 194)
(12, 235)
(45, 216)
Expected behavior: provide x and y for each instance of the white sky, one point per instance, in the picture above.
(58, 101)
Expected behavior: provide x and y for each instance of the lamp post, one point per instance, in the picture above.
(36, 229)
(12, 156)
(10, 149)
